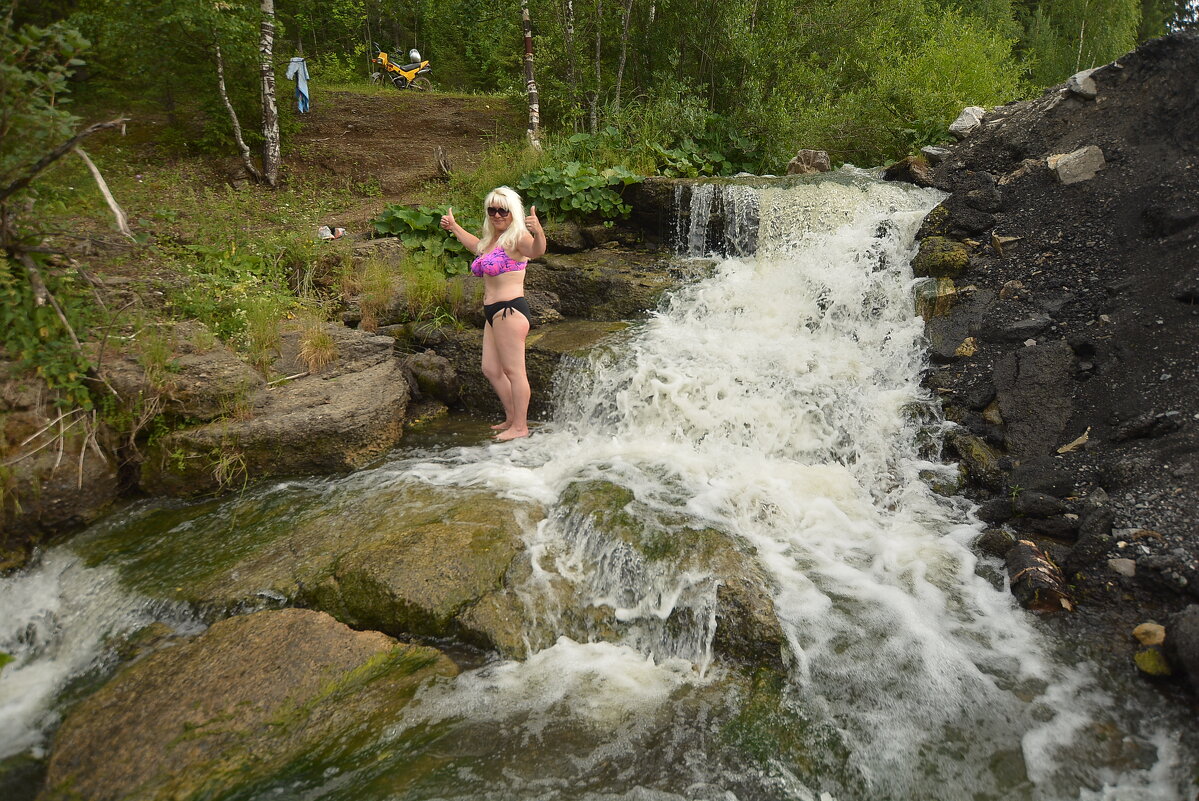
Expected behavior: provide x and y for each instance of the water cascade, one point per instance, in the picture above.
(776, 405)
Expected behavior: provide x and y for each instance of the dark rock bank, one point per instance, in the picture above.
(1064, 330)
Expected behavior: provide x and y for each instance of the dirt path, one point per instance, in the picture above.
(386, 141)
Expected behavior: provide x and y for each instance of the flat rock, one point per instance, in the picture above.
(1077, 166)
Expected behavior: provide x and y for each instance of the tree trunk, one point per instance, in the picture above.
(571, 78)
(530, 83)
(237, 137)
(624, 49)
(599, 87)
(270, 111)
(1036, 582)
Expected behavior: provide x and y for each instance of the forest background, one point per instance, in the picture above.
(627, 88)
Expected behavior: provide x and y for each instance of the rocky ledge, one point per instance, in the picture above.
(1062, 308)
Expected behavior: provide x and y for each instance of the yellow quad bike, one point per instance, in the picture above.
(409, 76)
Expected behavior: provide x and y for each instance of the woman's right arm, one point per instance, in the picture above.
(465, 237)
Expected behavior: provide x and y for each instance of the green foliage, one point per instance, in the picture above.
(34, 337)
(35, 64)
(421, 232)
(576, 190)
(239, 292)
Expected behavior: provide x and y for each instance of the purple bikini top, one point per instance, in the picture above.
(494, 262)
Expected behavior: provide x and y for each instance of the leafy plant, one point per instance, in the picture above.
(576, 190)
(421, 232)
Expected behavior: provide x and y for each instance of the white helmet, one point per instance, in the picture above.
(414, 55)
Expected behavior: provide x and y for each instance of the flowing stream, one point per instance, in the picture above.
(777, 400)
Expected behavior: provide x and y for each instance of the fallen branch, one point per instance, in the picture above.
(122, 220)
(288, 378)
(57, 153)
(42, 294)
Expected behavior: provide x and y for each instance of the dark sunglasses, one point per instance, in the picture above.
(492, 211)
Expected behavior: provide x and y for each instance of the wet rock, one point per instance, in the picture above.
(981, 461)
(967, 122)
(809, 162)
(996, 510)
(1152, 662)
(1042, 475)
(239, 704)
(1182, 642)
(1077, 166)
(1034, 387)
(1150, 634)
(911, 169)
(603, 284)
(565, 236)
(747, 626)
(1038, 504)
(995, 542)
(1062, 527)
(940, 257)
(433, 376)
(935, 298)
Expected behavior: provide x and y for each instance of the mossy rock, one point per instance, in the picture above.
(941, 257)
(936, 298)
(252, 698)
(1152, 662)
(748, 631)
(980, 459)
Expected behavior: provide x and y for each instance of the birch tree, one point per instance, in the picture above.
(270, 110)
(530, 82)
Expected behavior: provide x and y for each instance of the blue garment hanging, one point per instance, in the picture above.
(297, 69)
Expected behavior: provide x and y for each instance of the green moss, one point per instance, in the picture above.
(940, 257)
(1152, 662)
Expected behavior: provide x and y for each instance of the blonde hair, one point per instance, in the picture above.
(503, 197)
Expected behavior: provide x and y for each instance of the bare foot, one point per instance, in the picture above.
(512, 433)
(504, 426)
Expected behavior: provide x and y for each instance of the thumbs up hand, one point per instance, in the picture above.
(447, 220)
(534, 224)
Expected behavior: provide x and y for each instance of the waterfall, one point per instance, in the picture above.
(772, 403)
(779, 401)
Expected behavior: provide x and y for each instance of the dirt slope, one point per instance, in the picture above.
(387, 142)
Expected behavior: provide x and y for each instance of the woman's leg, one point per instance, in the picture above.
(509, 333)
(493, 371)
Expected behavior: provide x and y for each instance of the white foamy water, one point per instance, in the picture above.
(779, 401)
(58, 620)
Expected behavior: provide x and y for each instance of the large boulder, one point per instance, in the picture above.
(337, 419)
(242, 703)
(698, 563)
(604, 284)
(1035, 389)
(408, 560)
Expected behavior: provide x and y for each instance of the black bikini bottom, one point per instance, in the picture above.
(504, 307)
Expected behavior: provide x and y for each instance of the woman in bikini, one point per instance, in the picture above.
(508, 241)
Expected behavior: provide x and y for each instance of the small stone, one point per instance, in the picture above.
(935, 155)
(967, 122)
(1150, 634)
(809, 162)
(1125, 567)
(1083, 85)
(1080, 165)
(968, 348)
(1152, 662)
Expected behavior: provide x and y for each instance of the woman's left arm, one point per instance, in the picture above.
(532, 244)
